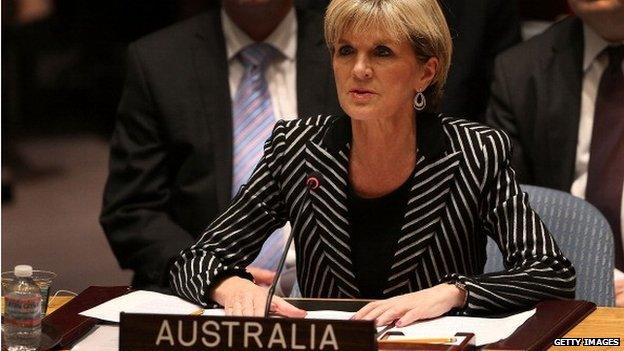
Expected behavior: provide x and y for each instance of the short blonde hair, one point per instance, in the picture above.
(419, 21)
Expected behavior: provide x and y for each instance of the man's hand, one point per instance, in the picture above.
(241, 297)
(619, 293)
(408, 308)
(263, 277)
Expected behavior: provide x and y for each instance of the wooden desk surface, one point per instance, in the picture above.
(57, 302)
(604, 322)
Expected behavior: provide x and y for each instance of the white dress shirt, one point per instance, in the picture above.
(281, 74)
(594, 64)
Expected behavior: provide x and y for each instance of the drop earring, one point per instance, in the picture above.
(420, 102)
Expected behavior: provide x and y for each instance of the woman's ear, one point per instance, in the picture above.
(429, 70)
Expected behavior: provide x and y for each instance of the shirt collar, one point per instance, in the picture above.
(283, 38)
(594, 45)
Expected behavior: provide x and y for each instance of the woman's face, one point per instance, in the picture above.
(377, 77)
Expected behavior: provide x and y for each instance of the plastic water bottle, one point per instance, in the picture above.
(22, 319)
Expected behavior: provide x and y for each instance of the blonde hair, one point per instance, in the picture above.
(419, 21)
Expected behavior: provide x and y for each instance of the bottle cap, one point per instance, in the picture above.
(23, 270)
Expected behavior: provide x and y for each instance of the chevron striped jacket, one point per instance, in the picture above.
(463, 190)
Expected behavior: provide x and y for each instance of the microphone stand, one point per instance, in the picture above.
(311, 183)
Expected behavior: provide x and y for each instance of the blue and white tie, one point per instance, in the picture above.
(253, 120)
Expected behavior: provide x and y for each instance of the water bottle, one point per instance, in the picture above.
(22, 319)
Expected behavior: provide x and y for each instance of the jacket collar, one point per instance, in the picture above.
(430, 138)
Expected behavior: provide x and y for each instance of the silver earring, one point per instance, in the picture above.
(420, 102)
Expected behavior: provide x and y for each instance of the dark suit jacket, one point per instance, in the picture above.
(462, 191)
(536, 97)
(171, 152)
(481, 29)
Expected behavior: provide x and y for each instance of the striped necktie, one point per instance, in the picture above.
(253, 116)
(606, 159)
(253, 121)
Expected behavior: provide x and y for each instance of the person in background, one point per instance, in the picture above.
(391, 177)
(481, 29)
(200, 99)
(560, 97)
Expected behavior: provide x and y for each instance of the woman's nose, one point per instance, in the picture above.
(362, 69)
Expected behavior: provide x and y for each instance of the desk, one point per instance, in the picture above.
(56, 302)
(607, 322)
(604, 322)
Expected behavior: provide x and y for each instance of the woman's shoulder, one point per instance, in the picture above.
(465, 130)
(309, 125)
(315, 122)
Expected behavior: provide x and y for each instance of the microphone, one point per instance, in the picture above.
(313, 181)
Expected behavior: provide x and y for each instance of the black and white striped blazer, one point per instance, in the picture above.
(463, 190)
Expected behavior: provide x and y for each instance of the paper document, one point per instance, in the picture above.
(486, 330)
(327, 314)
(140, 302)
(339, 315)
(217, 312)
(101, 338)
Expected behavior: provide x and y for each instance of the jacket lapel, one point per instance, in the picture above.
(431, 183)
(559, 93)
(211, 65)
(328, 158)
(435, 172)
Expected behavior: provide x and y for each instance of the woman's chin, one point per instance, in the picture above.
(363, 112)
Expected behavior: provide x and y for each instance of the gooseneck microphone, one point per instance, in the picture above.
(313, 181)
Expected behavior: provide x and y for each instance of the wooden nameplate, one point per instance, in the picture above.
(153, 332)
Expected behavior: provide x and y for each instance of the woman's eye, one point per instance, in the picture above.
(345, 50)
(383, 51)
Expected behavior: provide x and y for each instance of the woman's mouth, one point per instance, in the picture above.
(361, 94)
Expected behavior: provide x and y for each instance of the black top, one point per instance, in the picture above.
(375, 230)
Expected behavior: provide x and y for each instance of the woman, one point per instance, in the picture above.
(406, 198)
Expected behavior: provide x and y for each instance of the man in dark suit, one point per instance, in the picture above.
(171, 168)
(560, 97)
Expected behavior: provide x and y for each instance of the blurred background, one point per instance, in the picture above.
(62, 76)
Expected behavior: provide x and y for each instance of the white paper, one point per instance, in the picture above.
(617, 274)
(140, 302)
(324, 314)
(327, 314)
(101, 338)
(217, 312)
(486, 330)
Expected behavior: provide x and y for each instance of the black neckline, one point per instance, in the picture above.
(430, 138)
